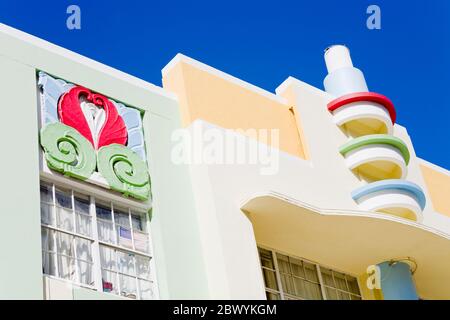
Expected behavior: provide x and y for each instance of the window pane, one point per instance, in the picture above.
(127, 286)
(343, 296)
(103, 212)
(331, 293)
(141, 241)
(107, 258)
(48, 252)
(311, 272)
(136, 222)
(143, 267)
(66, 261)
(66, 267)
(47, 240)
(49, 263)
(64, 244)
(125, 261)
(64, 218)
(352, 284)
(109, 281)
(82, 205)
(47, 214)
(313, 291)
(339, 279)
(46, 194)
(124, 237)
(300, 289)
(146, 291)
(287, 283)
(85, 272)
(297, 267)
(272, 296)
(83, 249)
(327, 277)
(121, 217)
(105, 231)
(283, 263)
(63, 199)
(270, 279)
(84, 224)
(266, 258)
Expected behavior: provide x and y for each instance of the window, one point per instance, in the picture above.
(95, 244)
(291, 278)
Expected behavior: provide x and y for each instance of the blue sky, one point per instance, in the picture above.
(263, 43)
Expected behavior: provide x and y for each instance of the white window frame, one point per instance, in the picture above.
(94, 195)
(283, 295)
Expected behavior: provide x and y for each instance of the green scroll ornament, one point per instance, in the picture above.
(124, 171)
(67, 151)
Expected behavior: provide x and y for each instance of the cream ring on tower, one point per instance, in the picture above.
(363, 113)
(377, 157)
(362, 118)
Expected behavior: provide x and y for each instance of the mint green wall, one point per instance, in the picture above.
(177, 248)
(20, 235)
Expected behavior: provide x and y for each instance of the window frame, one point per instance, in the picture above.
(285, 295)
(54, 183)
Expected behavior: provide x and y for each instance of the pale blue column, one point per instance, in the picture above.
(397, 281)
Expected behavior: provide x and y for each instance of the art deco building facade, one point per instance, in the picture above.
(209, 187)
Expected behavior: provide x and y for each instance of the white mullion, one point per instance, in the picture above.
(322, 286)
(335, 286)
(116, 240)
(348, 287)
(119, 289)
(80, 236)
(277, 274)
(126, 249)
(97, 266)
(74, 219)
(54, 232)
(138, 294)
(77, 275)
(74, 241)
(115, 251)
(54, 204)
(138, 289)
(131, 229)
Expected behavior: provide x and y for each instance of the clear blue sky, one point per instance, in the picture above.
(263, 43)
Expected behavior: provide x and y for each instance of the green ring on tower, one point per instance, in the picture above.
(376, 139)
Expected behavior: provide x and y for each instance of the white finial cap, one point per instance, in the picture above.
(337, 57)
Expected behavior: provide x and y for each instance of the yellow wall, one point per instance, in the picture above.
(438, 184)
(207, 94)
(366, 293)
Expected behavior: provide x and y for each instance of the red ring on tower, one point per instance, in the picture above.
(364, 96)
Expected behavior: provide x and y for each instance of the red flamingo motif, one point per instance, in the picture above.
(71, 114)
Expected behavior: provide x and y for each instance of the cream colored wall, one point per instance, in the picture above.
(213, 96)
(437, 181)
(208, 94)
(311, 170)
